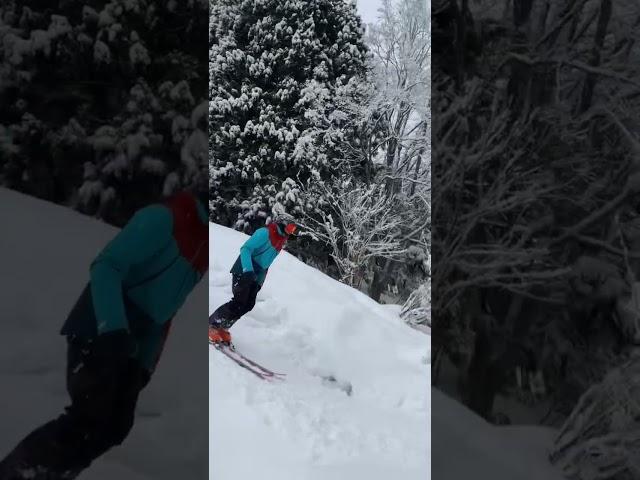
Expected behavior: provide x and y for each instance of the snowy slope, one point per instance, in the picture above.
(498, 453)
(45, 251)
(309, 326)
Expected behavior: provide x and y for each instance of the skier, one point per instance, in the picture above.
(249, 273)
(115, 335)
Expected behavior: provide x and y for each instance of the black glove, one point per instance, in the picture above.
(247, 279)
(116, 346)
(243, 286)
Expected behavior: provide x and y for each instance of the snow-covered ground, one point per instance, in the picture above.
(309, 326)
(467, 447)
(304, 324)
(45, 252)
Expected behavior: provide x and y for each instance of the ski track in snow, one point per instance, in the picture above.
(309, 326)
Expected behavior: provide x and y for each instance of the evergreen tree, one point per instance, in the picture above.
(102, 105)
(278, 70)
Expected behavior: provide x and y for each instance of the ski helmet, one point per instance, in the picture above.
(287, 224)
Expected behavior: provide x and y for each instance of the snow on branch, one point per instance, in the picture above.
(601, 438)
(359, 223)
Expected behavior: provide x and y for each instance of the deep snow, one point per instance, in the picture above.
(467, 447)
(45, 252)
(304, 324)
(309, 326)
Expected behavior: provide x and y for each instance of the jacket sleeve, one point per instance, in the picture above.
(147, 232)
(257, 241)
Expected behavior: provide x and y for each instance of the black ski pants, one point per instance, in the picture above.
(243, 301)
(103, 395)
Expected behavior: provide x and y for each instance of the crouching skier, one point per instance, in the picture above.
(115, 335)
(249, 273)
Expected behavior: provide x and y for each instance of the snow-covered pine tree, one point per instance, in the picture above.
(102, 107)
(276, 67)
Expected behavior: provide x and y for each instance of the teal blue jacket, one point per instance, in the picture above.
(144, 275)
(258, 253)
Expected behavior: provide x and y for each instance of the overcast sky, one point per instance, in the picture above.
(369, 10)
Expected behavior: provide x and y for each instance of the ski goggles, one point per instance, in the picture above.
(291, 229)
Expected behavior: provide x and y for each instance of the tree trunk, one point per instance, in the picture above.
(601, 31)
(475, 378)
(481, 390)
(380, 277)
(418, 162)
(521, 11)
(392, 146)
(460, 42)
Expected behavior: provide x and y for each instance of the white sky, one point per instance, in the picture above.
(368, 10)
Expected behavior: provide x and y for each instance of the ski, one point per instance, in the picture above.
(264, 370)
(239, 362)
(249, 365)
